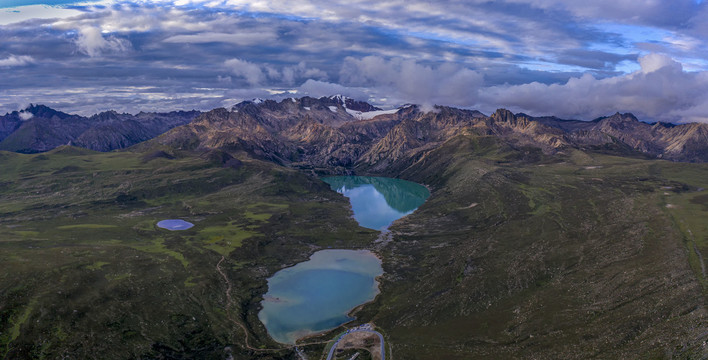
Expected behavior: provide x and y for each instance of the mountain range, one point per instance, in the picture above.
(337, 131)
(39, 128)
(328, 133)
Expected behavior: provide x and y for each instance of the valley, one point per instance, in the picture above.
(81, 253)
(536, 241)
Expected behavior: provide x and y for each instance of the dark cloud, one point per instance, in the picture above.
(148, 55)
(592, 59)
(660, 90)
(408, 80)
(670, 13)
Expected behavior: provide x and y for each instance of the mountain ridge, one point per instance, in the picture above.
(343, 132)
(39, 128)
(312, 133)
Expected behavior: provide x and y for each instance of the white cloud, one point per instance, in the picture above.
(26, 115)
(251, 72)
(316, 88)
(14, 60)
(292, 73)
(395, 51)
(660, 90)
(92, 43)
(244, 38)
(256, 74)
(654, 62)
(223, 79)
(24, 13)
(410, 81)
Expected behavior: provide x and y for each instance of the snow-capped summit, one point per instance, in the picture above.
(351, 104)
(365, 115)
(339, 97)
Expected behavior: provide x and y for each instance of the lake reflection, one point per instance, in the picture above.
(378, 201)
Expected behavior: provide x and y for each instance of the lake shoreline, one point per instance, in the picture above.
(315, 293)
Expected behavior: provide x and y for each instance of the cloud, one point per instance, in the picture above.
(26, 115)
(410, 81)
(592, 59)
(290, 74)
(256, 74)
(91, 42)
(244, 38)
(223, 79)
(673, 12)
(83, 100)
(474, 53)
(251, 72)
(14, 60)
(24, 13)
(660, 90)
(654, 62)
(316, 88)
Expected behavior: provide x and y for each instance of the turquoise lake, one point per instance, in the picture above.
(378, 201)
(317, 294)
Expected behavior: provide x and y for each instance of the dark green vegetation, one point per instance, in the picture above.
(576, 255)
(528, 246)
(85, 271)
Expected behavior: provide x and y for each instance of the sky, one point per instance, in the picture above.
(572, 59)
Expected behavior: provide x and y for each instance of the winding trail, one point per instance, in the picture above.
(229, 303)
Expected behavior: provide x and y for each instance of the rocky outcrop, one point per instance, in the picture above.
(522, 130)
(685, 142)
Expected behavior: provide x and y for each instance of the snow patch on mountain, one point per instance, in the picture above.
(369, 114)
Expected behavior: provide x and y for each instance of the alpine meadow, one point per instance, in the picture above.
(310, 179)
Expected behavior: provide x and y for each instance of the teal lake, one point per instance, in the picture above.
(317, 294)
(378, 201)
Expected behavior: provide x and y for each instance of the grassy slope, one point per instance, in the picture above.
(84, 270)
(514, 255)
(573, 256)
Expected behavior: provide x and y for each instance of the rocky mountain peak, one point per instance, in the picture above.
(353, 104)
(503, 115)
(45, 112)
(339, 97)
(211, 116)
(619, 118)
(106, 116)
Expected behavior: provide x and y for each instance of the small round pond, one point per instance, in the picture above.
(175, 224)
(318, 294)
(379, 201)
